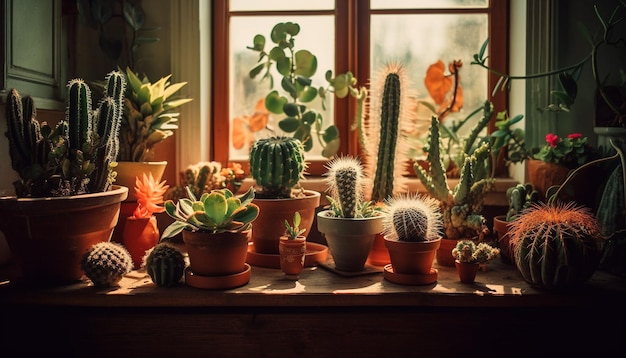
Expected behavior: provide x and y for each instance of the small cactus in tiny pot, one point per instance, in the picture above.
(472, 252)
(105, 263)
(165, 265)
(293, 231)
(412, 218)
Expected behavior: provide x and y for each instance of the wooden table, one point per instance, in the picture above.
(322, 313)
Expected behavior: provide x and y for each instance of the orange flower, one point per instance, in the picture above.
(246, 125)
(437, 83)
(149, 196)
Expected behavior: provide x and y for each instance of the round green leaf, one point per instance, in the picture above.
(289, 124)
(275, 102)
(291, 109)
(331, 133)
(277, 53)
(283, 65)
(306, 63)
(258, 42)
(331, 148)
(309, 117)
(341, 86)
(308, 94)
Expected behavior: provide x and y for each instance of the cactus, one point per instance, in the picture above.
(294, 231)
(105, 263)
(412, 218)
(556, 245)
(277, 165)
(165, 265)
(521, 197)
(462, 206)
(346, 184)
(384, 145)
(471, 252)
(75, 157)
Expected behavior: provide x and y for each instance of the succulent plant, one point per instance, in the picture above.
(556, 245)
(293, 231)
(165, 264)
(205, 176)
(148, 117)
(412, 218)
(277, 165)
(75, 157)
(346, 183)
(521, 196)
(462, 206)
(472, 252)
(105, 263)
(215, 212)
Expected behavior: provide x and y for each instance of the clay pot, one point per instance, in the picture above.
(444, 252)
(139, 236)
(412, 257)
(218, 254)
(501, 229)
(379, 255)
(467, 271)
(292, 253)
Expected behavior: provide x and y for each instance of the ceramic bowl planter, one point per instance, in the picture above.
(48, 236)
(349, 239)
(292, 254)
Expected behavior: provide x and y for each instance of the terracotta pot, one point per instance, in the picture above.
(379, 255)
(412, 257)
(467, 271)
(543, 175)
(349, 239)
(139, 236)
(48, 236)
(501, 229)
(216, 254)
(269, 226)
(292, 253)
(444, 253)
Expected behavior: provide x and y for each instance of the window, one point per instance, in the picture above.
(351, 35)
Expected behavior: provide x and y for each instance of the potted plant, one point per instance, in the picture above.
(412, 227)
(351, 223)
(277, 165)
(521, 197)
(140, 231)
(462, 205)
(557, 245)
(105, 263)
(216, 229)
(65, 176)
(468, 256)
(165, 264)
(292, 248)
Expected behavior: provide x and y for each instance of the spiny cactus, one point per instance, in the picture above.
(556, 245)
(382, 138)
(346, 184)
(75, 157)
(165, 264)
(462, 206)
(471, 252)
(412, 218)
(105, 263)
(277, 164)
(520, 198)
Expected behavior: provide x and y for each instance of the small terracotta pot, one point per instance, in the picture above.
(292, 253)
(140, 235)
(444, 253)
(412, 257)
(501, 229)
(467, 271)
(216, 254)
(379, 255)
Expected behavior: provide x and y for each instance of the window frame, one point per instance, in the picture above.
(352, 54)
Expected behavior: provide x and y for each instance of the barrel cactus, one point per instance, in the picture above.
(556, 245)
(412, 218)
(105, 263)
(165, 264)
(277, 165)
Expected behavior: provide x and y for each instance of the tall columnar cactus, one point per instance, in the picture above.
(381, 138)
(105, 263)
(412, 218)
(462, 206)
(76, 156)
(556, 245)
(346, 184)
(165, 264)
(277, 164)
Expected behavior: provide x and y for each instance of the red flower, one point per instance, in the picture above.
(552, 139)
(574, 136)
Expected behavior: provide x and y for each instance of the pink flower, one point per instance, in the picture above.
(574, 136)
(552, 139)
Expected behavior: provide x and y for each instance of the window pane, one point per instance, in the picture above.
(426, 4)
(317, 35)
(417, 41)
(257, 5)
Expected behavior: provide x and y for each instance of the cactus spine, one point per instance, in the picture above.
(412, 218)
(164, 264)
(105, 263)
(346, 183)
(556, 245)
(277, 164)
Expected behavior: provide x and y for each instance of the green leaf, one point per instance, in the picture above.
(309, 117)
(331, 133)
(216, 207)
(341, 86)
(306, 63)
(569, 85)
(291, 109)
(275, 102)
(289, 124)
(308, 95)
(283, 65)
(258, 43)
(289, 87)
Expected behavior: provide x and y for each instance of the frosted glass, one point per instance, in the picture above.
(268, 5)
(426, 4)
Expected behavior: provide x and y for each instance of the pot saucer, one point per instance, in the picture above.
(315, 253)
(217, 282)
(410, 279)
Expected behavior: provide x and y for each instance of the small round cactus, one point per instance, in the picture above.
(164, 264)
(412, 218)
(277, 165)
(106, 263)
